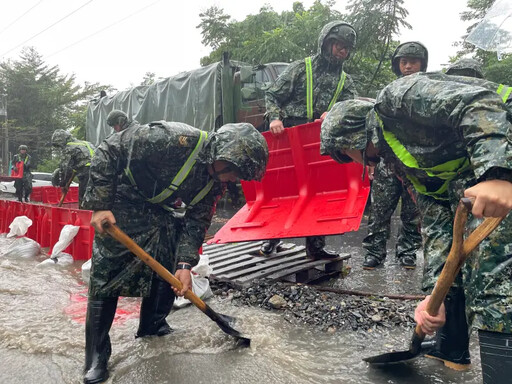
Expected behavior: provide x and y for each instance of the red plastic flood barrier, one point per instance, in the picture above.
(302, 193)
(52, 195)
(47, 223)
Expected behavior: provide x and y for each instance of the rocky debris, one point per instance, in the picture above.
(327, 311)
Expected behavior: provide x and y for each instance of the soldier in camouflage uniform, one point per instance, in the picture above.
(388, 189)
(460, 146)
(75, 155)
(159, 182)
(305, 91)
(24, 186)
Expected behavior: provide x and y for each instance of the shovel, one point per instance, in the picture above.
(223, 321)
(66, 189)
(458, 254)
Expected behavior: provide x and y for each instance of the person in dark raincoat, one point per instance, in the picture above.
(305, 91)
(461, 147)
(159, 183)
(387, 189)
(23, 186)
(75, 155)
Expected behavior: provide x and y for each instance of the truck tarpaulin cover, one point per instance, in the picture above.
(301, 194)
(191, 97)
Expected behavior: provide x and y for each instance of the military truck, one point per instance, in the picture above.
(206, 98)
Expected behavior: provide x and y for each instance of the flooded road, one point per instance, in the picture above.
(42, 314)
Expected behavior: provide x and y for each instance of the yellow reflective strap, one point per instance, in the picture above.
(202, 193)
(128, 174)
(339, 88)
(445, 171)
(309, 89)
(420, 188)
(85, 143)
(504, 91)
(182, 173)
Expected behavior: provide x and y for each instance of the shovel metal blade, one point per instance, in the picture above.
(225, 323)
(391, 358)
(418, 348)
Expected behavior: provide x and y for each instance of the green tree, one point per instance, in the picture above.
(267, 36)
(376, 23)
(40, 100)
(292, 35)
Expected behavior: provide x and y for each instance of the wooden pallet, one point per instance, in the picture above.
(241, 263)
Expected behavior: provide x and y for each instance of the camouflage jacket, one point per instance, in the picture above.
(286, 98)
(154, 154)
(441, 121)
(27, 164)
(478, 140)
(76, 156)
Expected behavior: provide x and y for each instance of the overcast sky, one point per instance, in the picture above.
(117, 41)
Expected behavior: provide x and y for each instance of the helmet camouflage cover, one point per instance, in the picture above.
(466, 67)
(409, 49)
(60, 138)
(336, 30)
(345, 128)
(22, 147)
(117, 117)
(241, 145)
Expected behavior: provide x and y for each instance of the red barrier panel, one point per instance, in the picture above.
(302, 193)
(52, 195)
(37, 194)
(47, 223)
(16, 173)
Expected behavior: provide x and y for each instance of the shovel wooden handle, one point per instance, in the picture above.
(66, 189)
(459, 252)
(123, 238)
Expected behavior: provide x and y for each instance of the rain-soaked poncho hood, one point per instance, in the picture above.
(240, 144)
(341, 31)
(466, 67)
(60, 138)
(345, 128)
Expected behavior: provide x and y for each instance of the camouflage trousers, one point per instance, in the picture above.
(115, 271)
(23, 187)
(487, 275)
(386, 191)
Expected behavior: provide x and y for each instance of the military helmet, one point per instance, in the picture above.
(22, 147)
(345, 128)
(117, 117)
(344, 32)
(409, 49)
(466, 67)
(241, 145)
(60, 138)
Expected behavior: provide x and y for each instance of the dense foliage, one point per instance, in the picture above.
(40, 100)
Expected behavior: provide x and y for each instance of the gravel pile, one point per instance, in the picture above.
(327, 311)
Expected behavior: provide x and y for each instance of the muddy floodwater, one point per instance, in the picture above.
(42, 314)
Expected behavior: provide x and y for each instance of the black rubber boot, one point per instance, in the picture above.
(496, 357)
(315, 248)
(100, 315)
(452, 340)
(269, 246)
(407, 261)
(155, 309)
(372, 262)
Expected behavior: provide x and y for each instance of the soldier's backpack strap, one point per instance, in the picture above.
(309, 89)
(179, 178)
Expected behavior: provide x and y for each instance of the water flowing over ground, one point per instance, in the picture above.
(42, 334)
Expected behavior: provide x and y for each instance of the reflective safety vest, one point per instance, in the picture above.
(445, 171)
(86, 144)
(309, 89)
(504, 91)
(179, 179)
